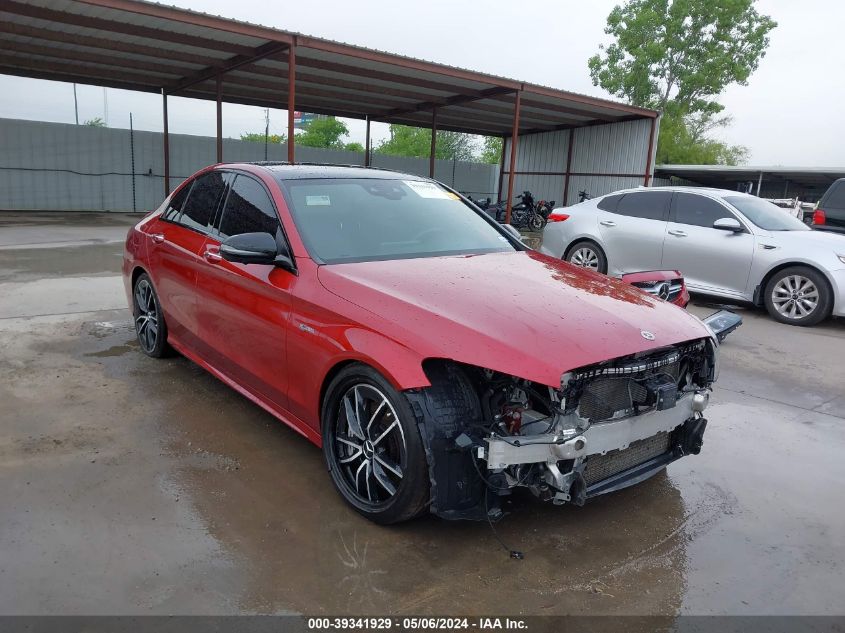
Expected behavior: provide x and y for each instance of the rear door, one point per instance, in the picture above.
(633, 230)
(244, 309)
(709, 259)
(175, 243)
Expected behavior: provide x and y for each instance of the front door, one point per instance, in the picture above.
(709, 259)
(244, 309)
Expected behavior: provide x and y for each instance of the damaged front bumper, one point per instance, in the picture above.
(605, 457)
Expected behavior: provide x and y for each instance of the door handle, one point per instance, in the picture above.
(677, 233)
(213, 257)
(158, 238)
(607, 223)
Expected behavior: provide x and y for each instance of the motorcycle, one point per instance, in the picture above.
(545, 208)
(583, 195)
(526, 214)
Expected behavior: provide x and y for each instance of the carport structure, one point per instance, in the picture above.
(149, 47)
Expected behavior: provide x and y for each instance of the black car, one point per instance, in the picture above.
(830, 212)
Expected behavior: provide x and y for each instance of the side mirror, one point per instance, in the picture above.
(728, 224)
(254, 248)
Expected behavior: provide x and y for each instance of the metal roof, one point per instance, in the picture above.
(716, 175)
(151, 47)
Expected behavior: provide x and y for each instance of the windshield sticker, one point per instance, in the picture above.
(318, 201)
(426, 189)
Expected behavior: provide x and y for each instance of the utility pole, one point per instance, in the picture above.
(75, 105)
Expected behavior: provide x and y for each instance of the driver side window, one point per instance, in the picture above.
(696, 210)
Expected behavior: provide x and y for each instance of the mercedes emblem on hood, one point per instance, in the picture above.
(649, 336)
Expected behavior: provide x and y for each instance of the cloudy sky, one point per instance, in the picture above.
(791, 113)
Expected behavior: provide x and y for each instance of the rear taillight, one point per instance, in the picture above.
(819, 217)
(558, 217)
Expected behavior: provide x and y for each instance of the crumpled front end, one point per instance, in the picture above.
(607, 426)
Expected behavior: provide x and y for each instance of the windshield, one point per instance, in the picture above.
(766, 215)
(344, 220)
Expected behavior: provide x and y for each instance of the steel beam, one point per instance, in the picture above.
(219, 83)
(258, 53)
(433, 150)
(291, 100)
(514, 141)
(367, 144)
(568, 167)
(651, 134)
(166, 144)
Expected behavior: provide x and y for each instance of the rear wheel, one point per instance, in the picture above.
(536, 222)
(587, 255)
(798, 296)
(373, 448)
(150, 327)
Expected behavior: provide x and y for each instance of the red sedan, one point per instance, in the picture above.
(438, 361)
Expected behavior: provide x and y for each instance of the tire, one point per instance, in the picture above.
(150, 327)
(377, 462)
(587, 255)
(536, 222)
(798, 295)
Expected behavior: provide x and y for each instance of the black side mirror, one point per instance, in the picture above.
(255, 248)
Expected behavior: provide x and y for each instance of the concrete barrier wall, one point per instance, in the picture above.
(56, 166)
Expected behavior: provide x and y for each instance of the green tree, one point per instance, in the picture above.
(491, 149)
(414, 141)
(678, 56)
(258, 137)
(323, 132)
(96, 122)
(354, 147)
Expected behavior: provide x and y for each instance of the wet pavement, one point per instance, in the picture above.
(135, 486)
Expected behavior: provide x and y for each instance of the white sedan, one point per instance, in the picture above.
(727, 244)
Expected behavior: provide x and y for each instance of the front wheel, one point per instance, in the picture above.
(373, 448)
(798, 296)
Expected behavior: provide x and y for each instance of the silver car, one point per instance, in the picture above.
(727, 244)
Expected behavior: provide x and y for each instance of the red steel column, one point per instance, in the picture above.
(650, 152)
(433, 142)
(514, 140)
(219, 120)
(291, 98)
(568, 167)
(367, 144)
(501, 169)
(166, 144)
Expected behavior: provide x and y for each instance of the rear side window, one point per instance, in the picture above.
(248, 209)
(834, 198)
(697, 210)
(199, 209)
(609, 203)
(649, 205)
(176, 202)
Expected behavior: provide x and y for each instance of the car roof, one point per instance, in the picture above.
(300, 171)
(711, 191)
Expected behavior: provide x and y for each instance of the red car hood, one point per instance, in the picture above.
(520, 313)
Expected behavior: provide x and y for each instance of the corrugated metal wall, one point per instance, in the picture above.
(55, 166)
(604, 158)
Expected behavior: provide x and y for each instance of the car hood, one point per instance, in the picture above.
(520, 313)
